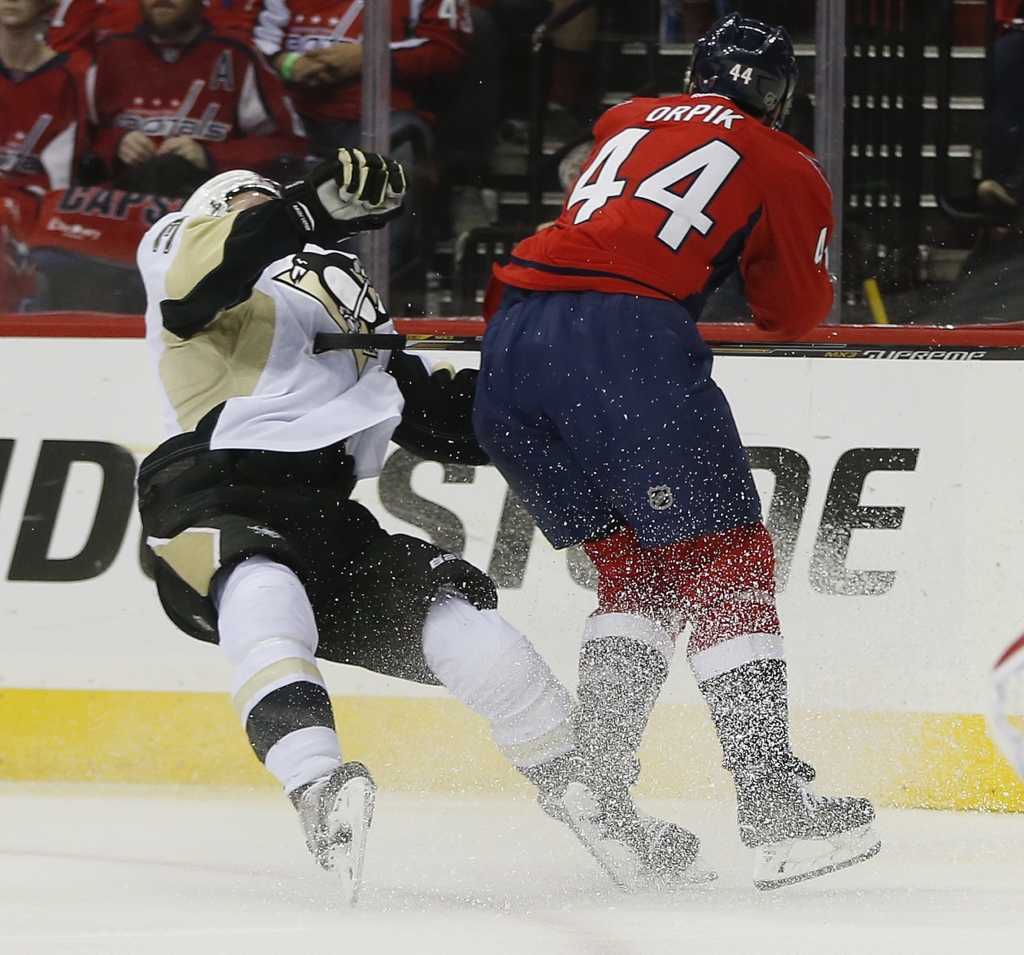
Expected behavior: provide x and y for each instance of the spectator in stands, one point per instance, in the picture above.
(81, 24)
(174, 103)
(42, 119)
(316, 46)
(71, 25)
(41, 103)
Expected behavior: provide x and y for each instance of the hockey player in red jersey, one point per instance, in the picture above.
(596, 402)
(174, 88)
(1007, 683)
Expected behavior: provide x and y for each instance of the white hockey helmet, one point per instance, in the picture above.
(212, 197)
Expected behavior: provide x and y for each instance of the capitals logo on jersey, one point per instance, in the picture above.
(20, 155)
(213, 90)
(172, 118)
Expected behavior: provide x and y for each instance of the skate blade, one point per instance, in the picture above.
(348, 823)
(796, 860)
(617, 860)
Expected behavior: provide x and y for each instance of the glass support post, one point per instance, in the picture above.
(375, 131)
(829, 115)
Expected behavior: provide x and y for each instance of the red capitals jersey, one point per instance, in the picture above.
(81, 24)
(234, 17)
(42, 124)
(428, 40)
(73, 25)
(675, 191)
(215, 90)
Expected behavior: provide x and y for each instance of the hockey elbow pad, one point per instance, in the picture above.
(353, 192)
(437, 422)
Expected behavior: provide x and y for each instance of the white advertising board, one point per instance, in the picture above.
(892, 488)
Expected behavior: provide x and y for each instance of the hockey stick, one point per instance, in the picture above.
(328, 341)
(335, 341)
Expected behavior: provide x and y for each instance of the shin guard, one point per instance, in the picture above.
(494, 670)
(268, 634)
(623, 665)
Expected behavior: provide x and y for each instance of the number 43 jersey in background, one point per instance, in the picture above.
(675, 193)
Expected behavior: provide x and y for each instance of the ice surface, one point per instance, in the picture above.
(101, 870)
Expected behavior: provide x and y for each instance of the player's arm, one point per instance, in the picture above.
(437, 420)
(784, 263)
(219, 259)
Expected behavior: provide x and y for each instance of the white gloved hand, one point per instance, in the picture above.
(355, 190)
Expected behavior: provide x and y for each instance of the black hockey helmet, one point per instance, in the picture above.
(748, 61)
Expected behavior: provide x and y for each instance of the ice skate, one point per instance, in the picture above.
(638, 852)
(335, 811)
(795, 833)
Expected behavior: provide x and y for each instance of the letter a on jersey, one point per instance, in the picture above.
(223, 76)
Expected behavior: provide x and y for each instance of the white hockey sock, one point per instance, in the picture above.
(268, 633)
(492, 668)
(304, 755)
(628, 626)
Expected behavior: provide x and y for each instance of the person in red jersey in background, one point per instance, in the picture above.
(71, 26)
(237, 17)
(595, 401)
(173, 103)
(81, 24)
(42, 121)
(41, 102)
(316, 46)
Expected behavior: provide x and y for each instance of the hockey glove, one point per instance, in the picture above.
(437, 422)
(353, 192)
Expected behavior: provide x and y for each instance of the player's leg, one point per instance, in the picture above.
(726, 581)
(269, 636)
(628, 644)
(624, 658)
(492, 668)
(232, 579)
(668, 454)
(405, 608)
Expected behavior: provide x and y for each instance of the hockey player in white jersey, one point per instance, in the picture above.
(250, 534)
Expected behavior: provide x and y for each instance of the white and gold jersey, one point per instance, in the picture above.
(226, 329)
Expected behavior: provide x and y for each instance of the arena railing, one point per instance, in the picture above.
(828, 341)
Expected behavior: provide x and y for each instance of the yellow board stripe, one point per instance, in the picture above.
(927, 760)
